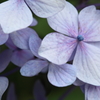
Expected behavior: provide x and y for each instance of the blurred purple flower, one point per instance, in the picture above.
(16, 14)
(75, 32)
(58, 75)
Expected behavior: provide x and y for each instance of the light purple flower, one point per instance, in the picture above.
(16, 15)
(75, 32)
(58, 75)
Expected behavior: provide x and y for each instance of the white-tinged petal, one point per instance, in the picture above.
(92, 92)
(33, 67)
(57, 48)
(14, 15)
(21, 38)
(87, 61)
(89, 24)
(61, 75)
(78, 82)
(66, 21)
(46, 8)
(3, 85)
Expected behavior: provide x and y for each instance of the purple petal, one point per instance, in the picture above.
(3, 85)
(3, 37)
(57, 48)
(5, 58)
(39, 91)
(20, 57)
(46, 8)
(14, 15)
(34, 23)
(33, 67)
(21, 38)
(89, 23)
(34, 44)
(92, 92)
(62, 75)
(87, 61)
(11, 95)
(66, 21)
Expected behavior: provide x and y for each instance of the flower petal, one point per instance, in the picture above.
(89, 24)
(87, 61)
(34, 23)
(78, 82)
(3, 85)
(33, 67)
(92, 92)
(5, 58)
(62, 75)
(20, 57)
(57, 48)
(21, 38)
(14, 15)
(46, 8)
(66, 21)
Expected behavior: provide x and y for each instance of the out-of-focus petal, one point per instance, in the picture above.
(34, 44)
(21, 38)
(3, 37)
(20, 57)
(57, 48)
(14, 15)
(10, 44)
(89, 24)
(33, 67)
(66, 21)
(62, 75)
(92, 92)
(39, 91)
(11, 95)
(5, 58)
(46, 8)
(87, 61)
(34, 23)
(3, 85)
(78, 82)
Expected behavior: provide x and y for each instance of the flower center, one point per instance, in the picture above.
(80, 38)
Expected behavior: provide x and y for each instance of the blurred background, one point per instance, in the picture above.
(24, 86)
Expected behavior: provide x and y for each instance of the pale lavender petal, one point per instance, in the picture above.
(92, 92)
(34, 44)
(34, 23)
(33, 67)
(14, 15)
(66, 21)
(89, 24)
(20, 57)
(11, 95)
(5, 58)
(78, 82)
(10, 44)
(46, 8)
(3, 85)
(62, 75)
(21, 38)
(87, 61)
(3, 37)
(57, 48)
(39, 91)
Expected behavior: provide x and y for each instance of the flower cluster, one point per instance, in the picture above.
(69, 55)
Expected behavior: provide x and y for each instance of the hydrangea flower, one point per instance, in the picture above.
(75, 32)
(58, 75)
(16, 14)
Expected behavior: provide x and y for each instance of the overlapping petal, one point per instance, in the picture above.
(46, 8)
(87, 60)
(66, 21)
(3, 85)
(62, 75)
(57, 48)
(21, 38)
(14, 15)
(89, 24)
(33, 67)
